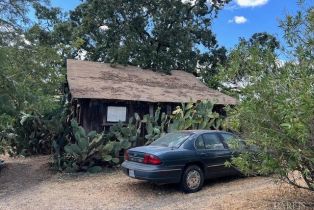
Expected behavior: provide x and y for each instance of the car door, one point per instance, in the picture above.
(213, 153)
(234, 143)
(235, 146)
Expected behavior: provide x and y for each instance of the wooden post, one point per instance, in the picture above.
(130, 111)
(168, 109)
(151, 110)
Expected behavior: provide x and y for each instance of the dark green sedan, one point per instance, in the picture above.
(185, 157)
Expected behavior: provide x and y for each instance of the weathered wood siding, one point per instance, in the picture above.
(92, 113)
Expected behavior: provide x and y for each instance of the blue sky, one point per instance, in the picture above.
(261, 18)
(240, 18)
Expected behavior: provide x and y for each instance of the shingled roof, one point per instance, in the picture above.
(95, 80)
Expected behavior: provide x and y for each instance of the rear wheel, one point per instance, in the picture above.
(192, 179)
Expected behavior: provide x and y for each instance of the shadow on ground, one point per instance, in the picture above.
(19, 175)
(142, 187)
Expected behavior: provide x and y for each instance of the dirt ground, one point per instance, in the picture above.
(29, 184)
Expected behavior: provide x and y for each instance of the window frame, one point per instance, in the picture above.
(236, 137)
(211, 133)
(107, 112)
(202, 141)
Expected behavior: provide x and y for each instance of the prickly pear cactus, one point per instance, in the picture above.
(198, 115)
(155, 125)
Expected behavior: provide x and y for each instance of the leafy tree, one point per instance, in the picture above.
(265, 41)
(18, 56)
(31, 72)
(160, 35)
(29, 79)
(249, 61)
(14, 18)
(14, 14)
(277, 105)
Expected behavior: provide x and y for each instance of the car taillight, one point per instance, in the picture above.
(126, 155)
(151, 159)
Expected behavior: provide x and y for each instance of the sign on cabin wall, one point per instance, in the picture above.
(116, 114)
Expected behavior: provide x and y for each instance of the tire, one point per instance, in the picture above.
(192, 179)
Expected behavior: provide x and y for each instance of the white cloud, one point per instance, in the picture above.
(231, 6)
(251, 3)
(238, 20)
(234, 4)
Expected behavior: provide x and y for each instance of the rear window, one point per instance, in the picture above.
(171, 140)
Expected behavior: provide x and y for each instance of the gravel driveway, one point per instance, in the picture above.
(28, 184)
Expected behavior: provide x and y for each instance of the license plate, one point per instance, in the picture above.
(131, 173)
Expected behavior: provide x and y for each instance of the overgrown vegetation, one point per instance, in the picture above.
(2, 143)
(276, 112)
(90, 151)
(31, 77)
(193, 116)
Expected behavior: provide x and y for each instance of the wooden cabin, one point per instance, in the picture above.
(105, 94)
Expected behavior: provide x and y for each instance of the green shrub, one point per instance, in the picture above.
(90, 151)
(31, 134)
(126, 133)
(276, 112)
(2, 147)
(84, 152)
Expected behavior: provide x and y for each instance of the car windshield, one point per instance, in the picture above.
(171, 140)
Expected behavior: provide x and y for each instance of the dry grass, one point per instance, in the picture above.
(28, 184)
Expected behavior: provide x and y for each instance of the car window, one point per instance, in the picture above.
(212, 141)
(233, 141)
(171, 139)
(199, 143)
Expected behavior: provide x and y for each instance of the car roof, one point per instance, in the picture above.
(203, 131)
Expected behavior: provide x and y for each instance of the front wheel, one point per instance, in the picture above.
(192, 179)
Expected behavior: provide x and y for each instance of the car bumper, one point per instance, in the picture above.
(152, 173)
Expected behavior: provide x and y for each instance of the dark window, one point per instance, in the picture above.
(199, 143)
(233, 141)
(212, 141)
